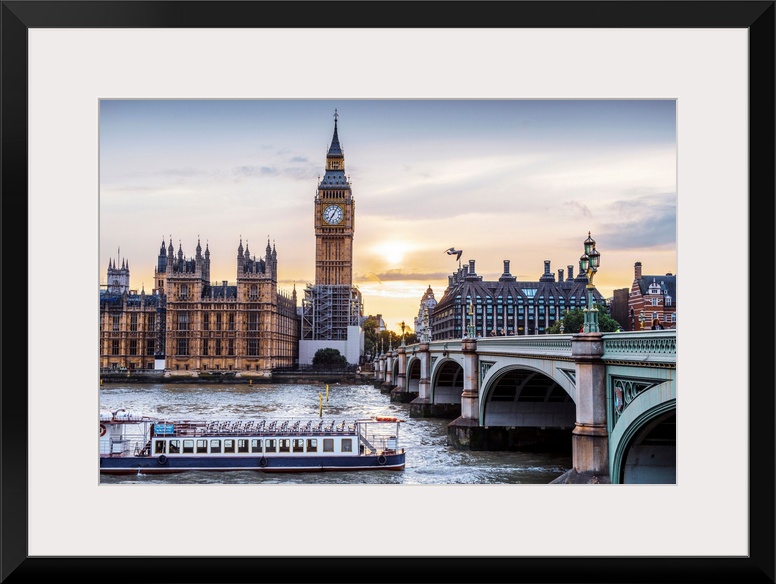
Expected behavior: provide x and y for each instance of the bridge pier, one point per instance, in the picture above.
(422, 406)
(388, 384)
(590, 439)
(465, 432)
(400, 393)
(379, 369)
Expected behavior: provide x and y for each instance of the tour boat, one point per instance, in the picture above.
(132, 444)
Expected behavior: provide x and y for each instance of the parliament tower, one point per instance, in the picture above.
(332, 310)
(334, 218)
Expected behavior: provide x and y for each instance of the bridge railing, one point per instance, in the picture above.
(632, 346)
(531, 345)
(641, 346)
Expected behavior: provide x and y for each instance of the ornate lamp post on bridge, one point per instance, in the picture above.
(642, 318)
(403, 326)
(589, 262)
(471, 329)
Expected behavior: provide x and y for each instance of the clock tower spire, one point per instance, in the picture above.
(332, 308)
(334, 220)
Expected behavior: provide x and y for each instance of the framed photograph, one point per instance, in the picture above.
(714, 58)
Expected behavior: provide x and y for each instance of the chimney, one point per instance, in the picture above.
(506, 276)
(547, 276)
(560, 275)
(471, 267)
(571, 271)
(637, 271)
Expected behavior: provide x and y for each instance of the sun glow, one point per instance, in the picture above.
(392, 252)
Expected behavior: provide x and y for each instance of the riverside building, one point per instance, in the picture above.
(506, 306)
(651, 297)
(189, 325)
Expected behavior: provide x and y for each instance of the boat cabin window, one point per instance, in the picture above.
(242, 445)
(175, 446)
(328, 444)
(298, 445)
(270, 445)
(160, 447)
(285, 445)
(255, 445)
(201, 446)
(188, 446)
(347, 445)
(312, 445)
(229, 445)
(215, 446)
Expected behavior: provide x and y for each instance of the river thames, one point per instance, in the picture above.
(429, 460)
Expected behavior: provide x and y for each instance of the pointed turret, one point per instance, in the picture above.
(335, 162)
(240, 257)
(161, 261)
(335, 149)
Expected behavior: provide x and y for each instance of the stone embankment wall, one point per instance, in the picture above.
(232, 377)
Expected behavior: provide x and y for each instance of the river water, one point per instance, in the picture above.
(429, 460)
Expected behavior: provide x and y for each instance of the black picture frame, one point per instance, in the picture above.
(756, 16)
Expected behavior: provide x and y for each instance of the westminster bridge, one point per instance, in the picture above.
(613, 395)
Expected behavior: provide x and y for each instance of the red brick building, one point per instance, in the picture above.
(651, 297)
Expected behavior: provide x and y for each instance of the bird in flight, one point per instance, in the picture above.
(456, 252)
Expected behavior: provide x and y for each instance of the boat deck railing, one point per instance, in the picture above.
(365, 428)
(257, 428)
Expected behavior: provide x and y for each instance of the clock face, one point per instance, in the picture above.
(332, 214)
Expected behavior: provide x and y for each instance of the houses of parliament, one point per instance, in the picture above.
(188, 324)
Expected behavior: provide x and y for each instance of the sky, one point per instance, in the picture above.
(517, 180)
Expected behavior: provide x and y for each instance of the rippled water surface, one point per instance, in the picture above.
(429, 459)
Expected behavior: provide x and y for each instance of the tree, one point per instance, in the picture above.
(574, 320)
(329, 358)
(410, 338)
(370, 336)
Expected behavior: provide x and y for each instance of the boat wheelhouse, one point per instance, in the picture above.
(139, 444)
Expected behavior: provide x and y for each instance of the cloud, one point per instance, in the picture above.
(583, 209)
(400, 276)
(184, 172)
(645, 223)
(254, 170)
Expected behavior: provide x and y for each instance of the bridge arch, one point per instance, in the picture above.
(523, 396)
(447, 382)
(645, 439)
(413, 374)
(395, 371)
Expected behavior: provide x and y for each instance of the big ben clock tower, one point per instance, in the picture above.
(334, 220)
(332, 309)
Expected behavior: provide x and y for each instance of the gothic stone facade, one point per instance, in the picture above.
(194, 325)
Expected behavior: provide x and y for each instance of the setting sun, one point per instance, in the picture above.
(392, 252)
